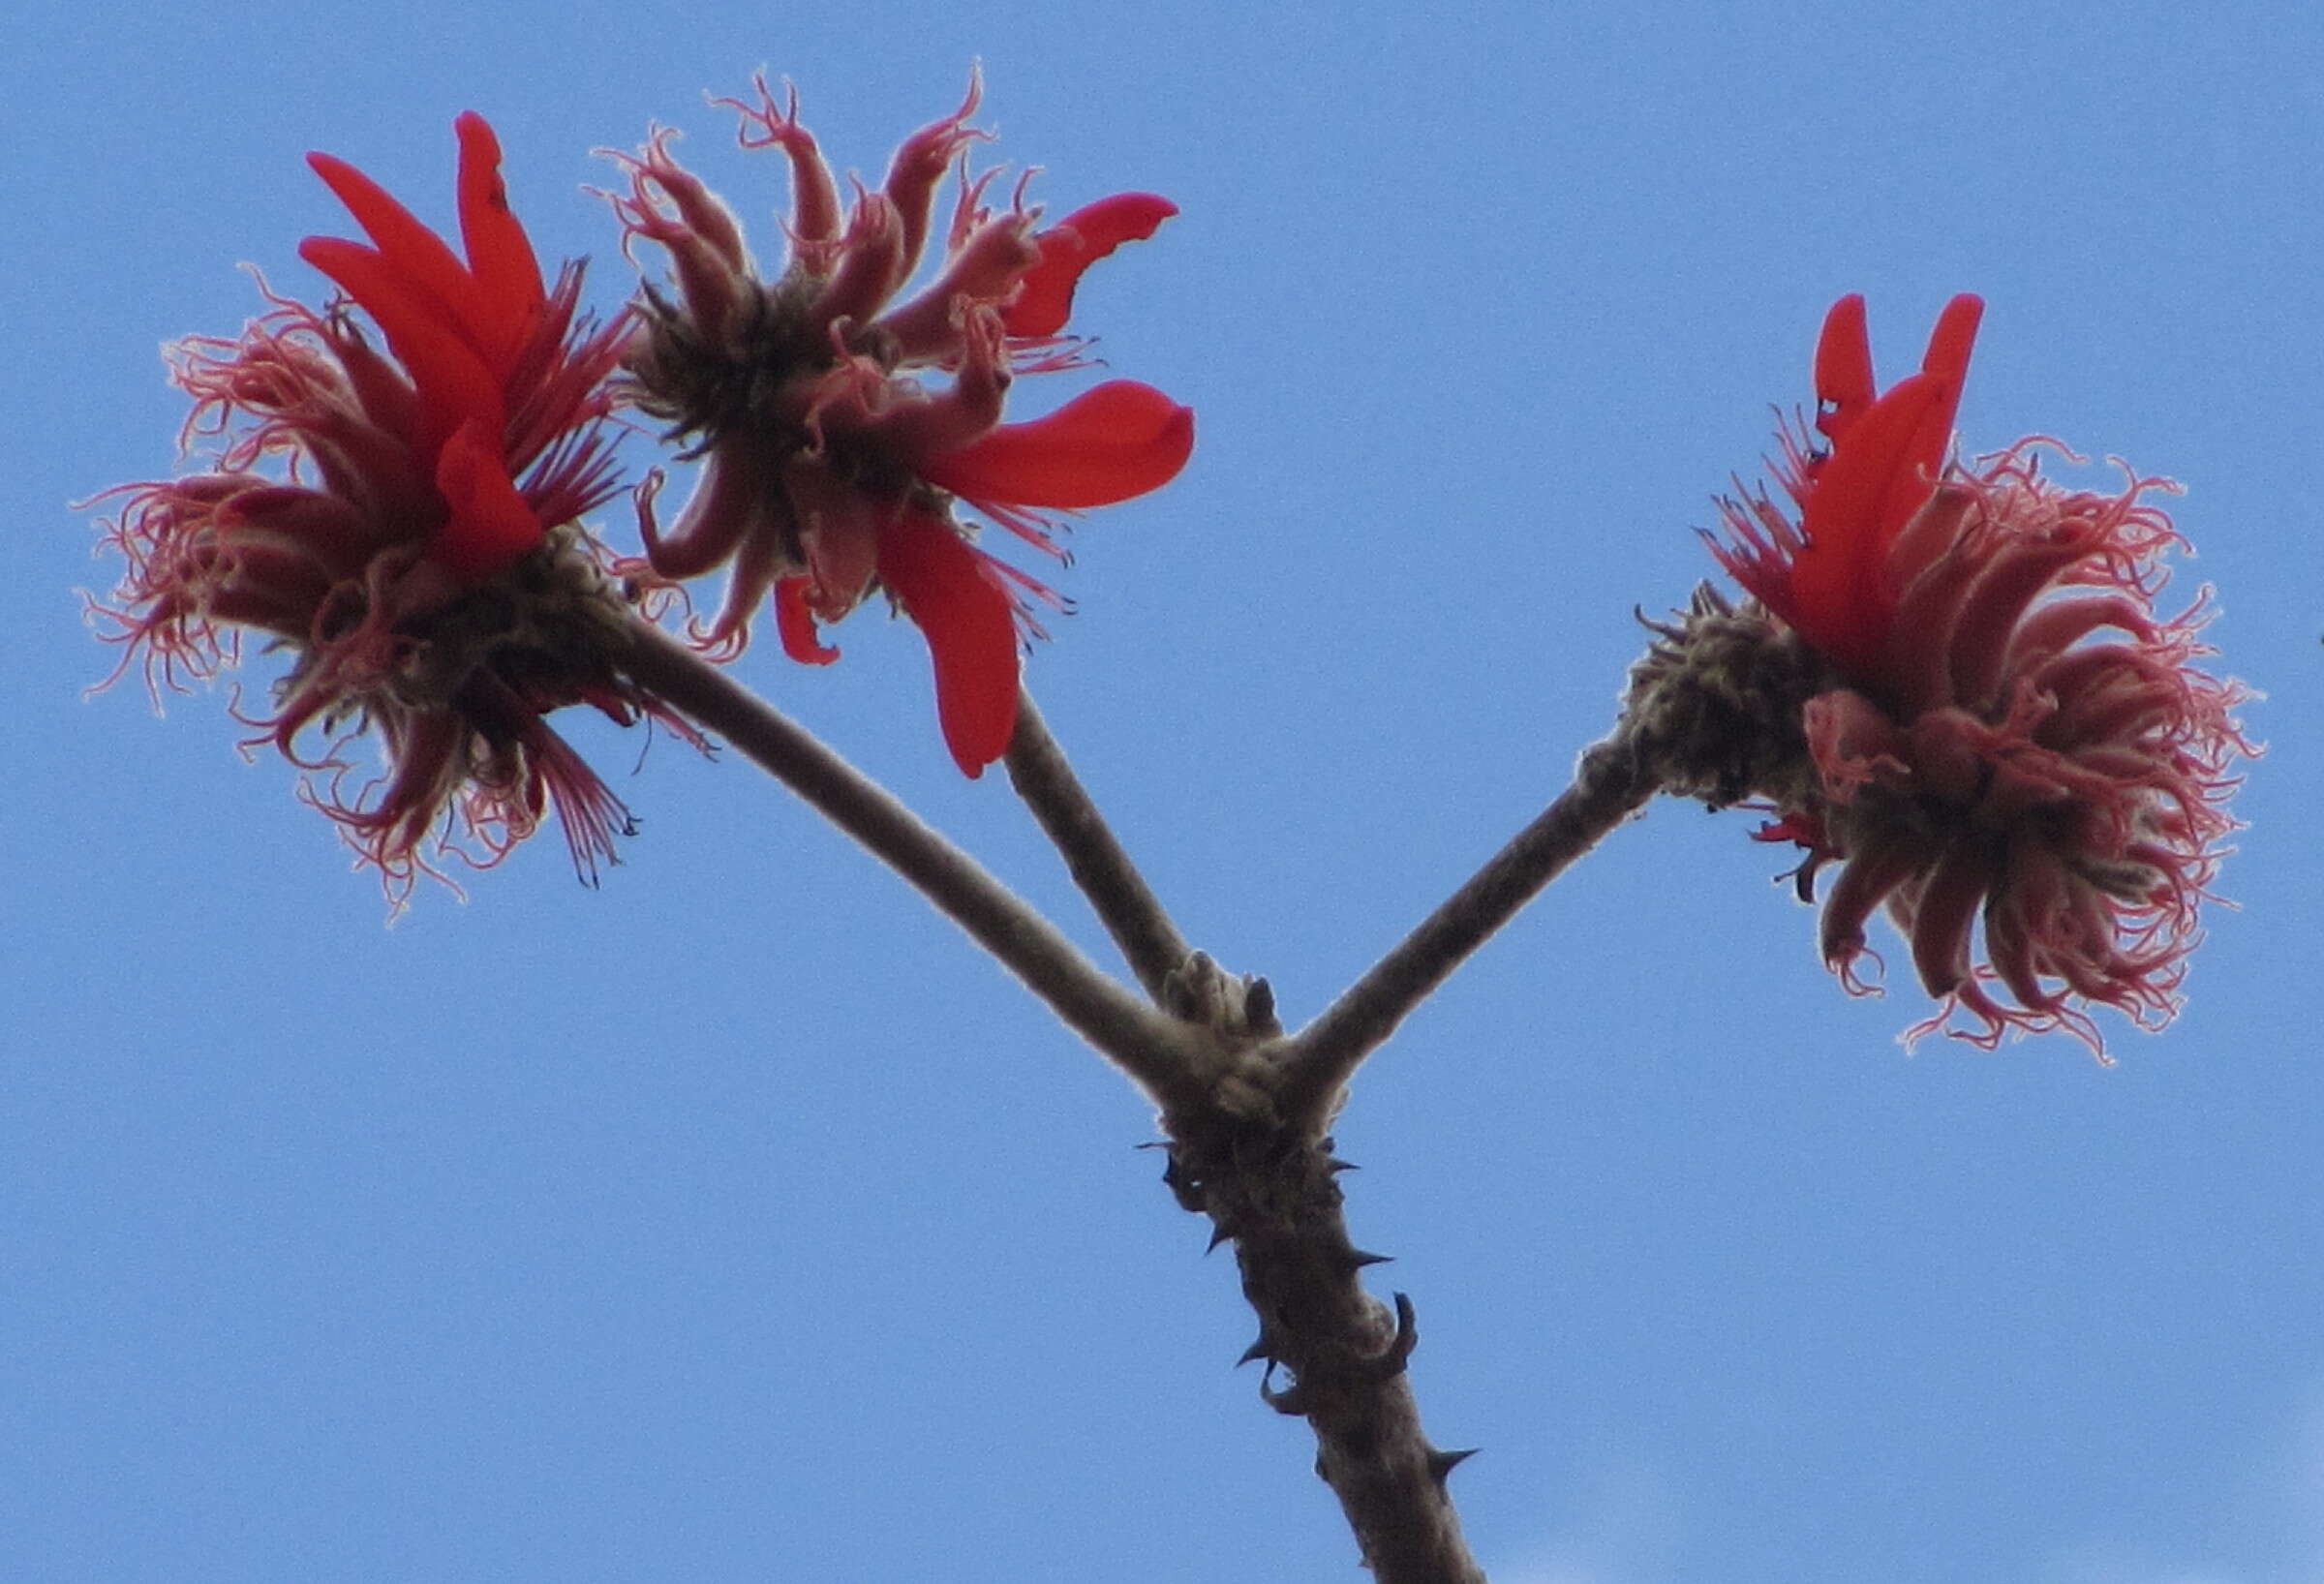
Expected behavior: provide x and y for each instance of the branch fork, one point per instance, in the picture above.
(1244, 1106)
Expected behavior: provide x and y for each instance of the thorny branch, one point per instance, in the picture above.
(1253, 1157)
(1245, 1108)
(1276, 1193)
(1269, 1186)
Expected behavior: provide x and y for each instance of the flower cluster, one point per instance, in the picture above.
(2007, 729)
(398, 507)
(416, 549)
(832, 464)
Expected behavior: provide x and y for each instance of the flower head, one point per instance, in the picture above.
(416, 549)
(841, 420)
(2005, 729)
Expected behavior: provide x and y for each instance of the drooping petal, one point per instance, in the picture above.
(795, 624)
(1943, 914)
(490, 525)
(1044, 299)
(1871, 877)
(842, 550)
(1120, 439)
(971, 631)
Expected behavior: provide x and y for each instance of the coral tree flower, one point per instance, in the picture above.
(833, 464)
(2011, 733)
(415, 551)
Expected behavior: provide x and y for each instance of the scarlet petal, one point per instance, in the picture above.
(490, 525)
(971, 633)
(1844, 367)
(509, 290)
(1835, 579)
(1045, 297)
(1947, 363)
(1955, 334)
(411, 250)
(795, 624)
(1886, 470)
(1107, 444)
(455, 386)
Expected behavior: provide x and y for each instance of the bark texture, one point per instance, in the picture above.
(1276, 1195)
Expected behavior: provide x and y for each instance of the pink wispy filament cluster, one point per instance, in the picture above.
(396, 546)
(2018, 740)
(840, 419)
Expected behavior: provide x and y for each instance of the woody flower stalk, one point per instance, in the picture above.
(1995, 736)
(842, 423)
(416, 549)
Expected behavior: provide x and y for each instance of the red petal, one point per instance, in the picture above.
(1845, 506)
(1946, 362)
(490, 525)
(454, 386)
(1045, 297)
(1950, 342)
(1843, 368)
(411, 250)
(1107, 444)
(795, 624)
(1835, 581)
(971, 631)
(500, 256)
(1886, 457)
(452, 380)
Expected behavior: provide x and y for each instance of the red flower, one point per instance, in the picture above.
(2013, 733)
(831, 467)
(416, 553)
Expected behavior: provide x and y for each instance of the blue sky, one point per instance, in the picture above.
(737, 1221)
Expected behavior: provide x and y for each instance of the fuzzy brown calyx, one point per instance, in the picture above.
(543, 628)
(1716, 700)
(744, 377)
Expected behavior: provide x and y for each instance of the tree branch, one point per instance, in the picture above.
(1611, 782)
(1246, 1110)
(1275, 1190)
(1157, 1052)
(1141, 928)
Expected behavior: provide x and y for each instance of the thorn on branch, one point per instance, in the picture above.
(1442, 1463)
(1237, 1006)
(1183, 1185)
(1258, 1008)
(1399, 1352)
